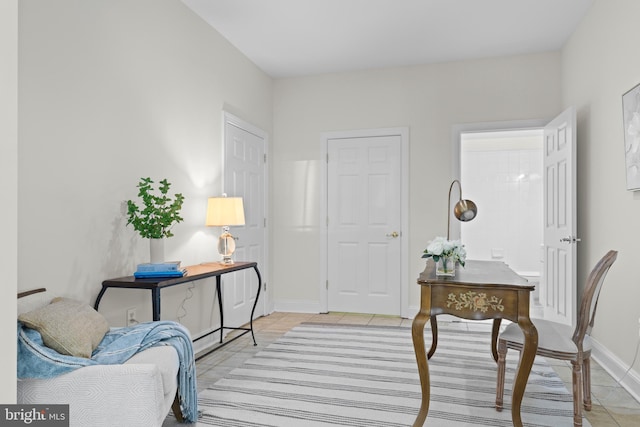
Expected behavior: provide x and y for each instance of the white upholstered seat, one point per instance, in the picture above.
(138, 393)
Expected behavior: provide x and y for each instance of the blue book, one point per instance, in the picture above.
(159, 274)
(160, 266)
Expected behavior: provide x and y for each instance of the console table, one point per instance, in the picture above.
(194, 272)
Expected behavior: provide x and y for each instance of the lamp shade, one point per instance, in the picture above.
(465, 210)
(224, 211)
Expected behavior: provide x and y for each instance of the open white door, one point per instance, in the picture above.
(558, 286)
(244, 176)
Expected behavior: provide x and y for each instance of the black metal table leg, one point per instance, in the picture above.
(97, 303)
(255, 303)
(219, 291)
(155, 303)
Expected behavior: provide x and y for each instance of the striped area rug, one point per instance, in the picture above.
(363, 376)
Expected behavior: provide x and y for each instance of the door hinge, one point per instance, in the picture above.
(327, 284)
(264, 286)
(327, 157)
(265, 157)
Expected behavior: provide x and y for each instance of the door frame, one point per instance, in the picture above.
(458, 130)
(403, 133)
(228, 118)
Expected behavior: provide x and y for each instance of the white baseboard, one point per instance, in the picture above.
(297, 306)
(616, 368)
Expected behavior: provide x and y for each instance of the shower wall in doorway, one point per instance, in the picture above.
(502, 173)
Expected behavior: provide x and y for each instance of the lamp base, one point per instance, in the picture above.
(226, 247)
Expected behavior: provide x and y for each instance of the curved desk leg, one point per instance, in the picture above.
(434, 336)
(255, 303)
(527, 355)
(495, 331)
(417, 334)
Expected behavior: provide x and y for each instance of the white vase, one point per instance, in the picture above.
(156, 247)
(446, 266)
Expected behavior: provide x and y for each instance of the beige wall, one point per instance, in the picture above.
(9, 194)
(599, 64)
(428, 99)
(111, 91)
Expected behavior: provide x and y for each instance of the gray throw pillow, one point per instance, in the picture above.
(68, 326)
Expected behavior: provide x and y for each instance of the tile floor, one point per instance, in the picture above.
(612, 404)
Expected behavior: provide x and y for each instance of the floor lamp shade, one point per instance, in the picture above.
(224, 212)
(464, 210)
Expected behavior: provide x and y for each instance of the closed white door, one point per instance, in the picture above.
(559, 287)
(364, 224)
(244, 176)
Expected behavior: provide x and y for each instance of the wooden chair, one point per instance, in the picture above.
(558, 341)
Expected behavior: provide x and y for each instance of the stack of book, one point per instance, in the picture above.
(159, 270)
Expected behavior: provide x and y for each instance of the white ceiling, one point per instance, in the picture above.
(302, 37)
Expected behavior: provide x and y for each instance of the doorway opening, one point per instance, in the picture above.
(502, 172)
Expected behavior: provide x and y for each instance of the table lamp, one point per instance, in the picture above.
(464, 210)
(223, 212)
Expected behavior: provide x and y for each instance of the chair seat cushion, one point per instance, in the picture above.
(553, 338)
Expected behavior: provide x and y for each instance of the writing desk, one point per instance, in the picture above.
(480, 290)
(194, 272)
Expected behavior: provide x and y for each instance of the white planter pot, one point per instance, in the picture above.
(156, 247)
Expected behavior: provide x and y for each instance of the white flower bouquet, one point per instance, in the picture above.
(443, 248)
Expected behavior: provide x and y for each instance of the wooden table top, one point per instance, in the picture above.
(485, 273)
(194, 272)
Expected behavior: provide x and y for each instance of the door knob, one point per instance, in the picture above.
(394, 234)
(570, 239)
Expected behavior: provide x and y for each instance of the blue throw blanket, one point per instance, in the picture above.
(35, 360)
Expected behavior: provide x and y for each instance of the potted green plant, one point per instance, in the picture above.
(157, 214)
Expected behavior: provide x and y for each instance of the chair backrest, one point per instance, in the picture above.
(589, 302)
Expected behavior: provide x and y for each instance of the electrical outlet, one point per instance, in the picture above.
(132, 316)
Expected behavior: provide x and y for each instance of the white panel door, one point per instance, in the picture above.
(244, 176)
(364, 219)
(558, 288)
